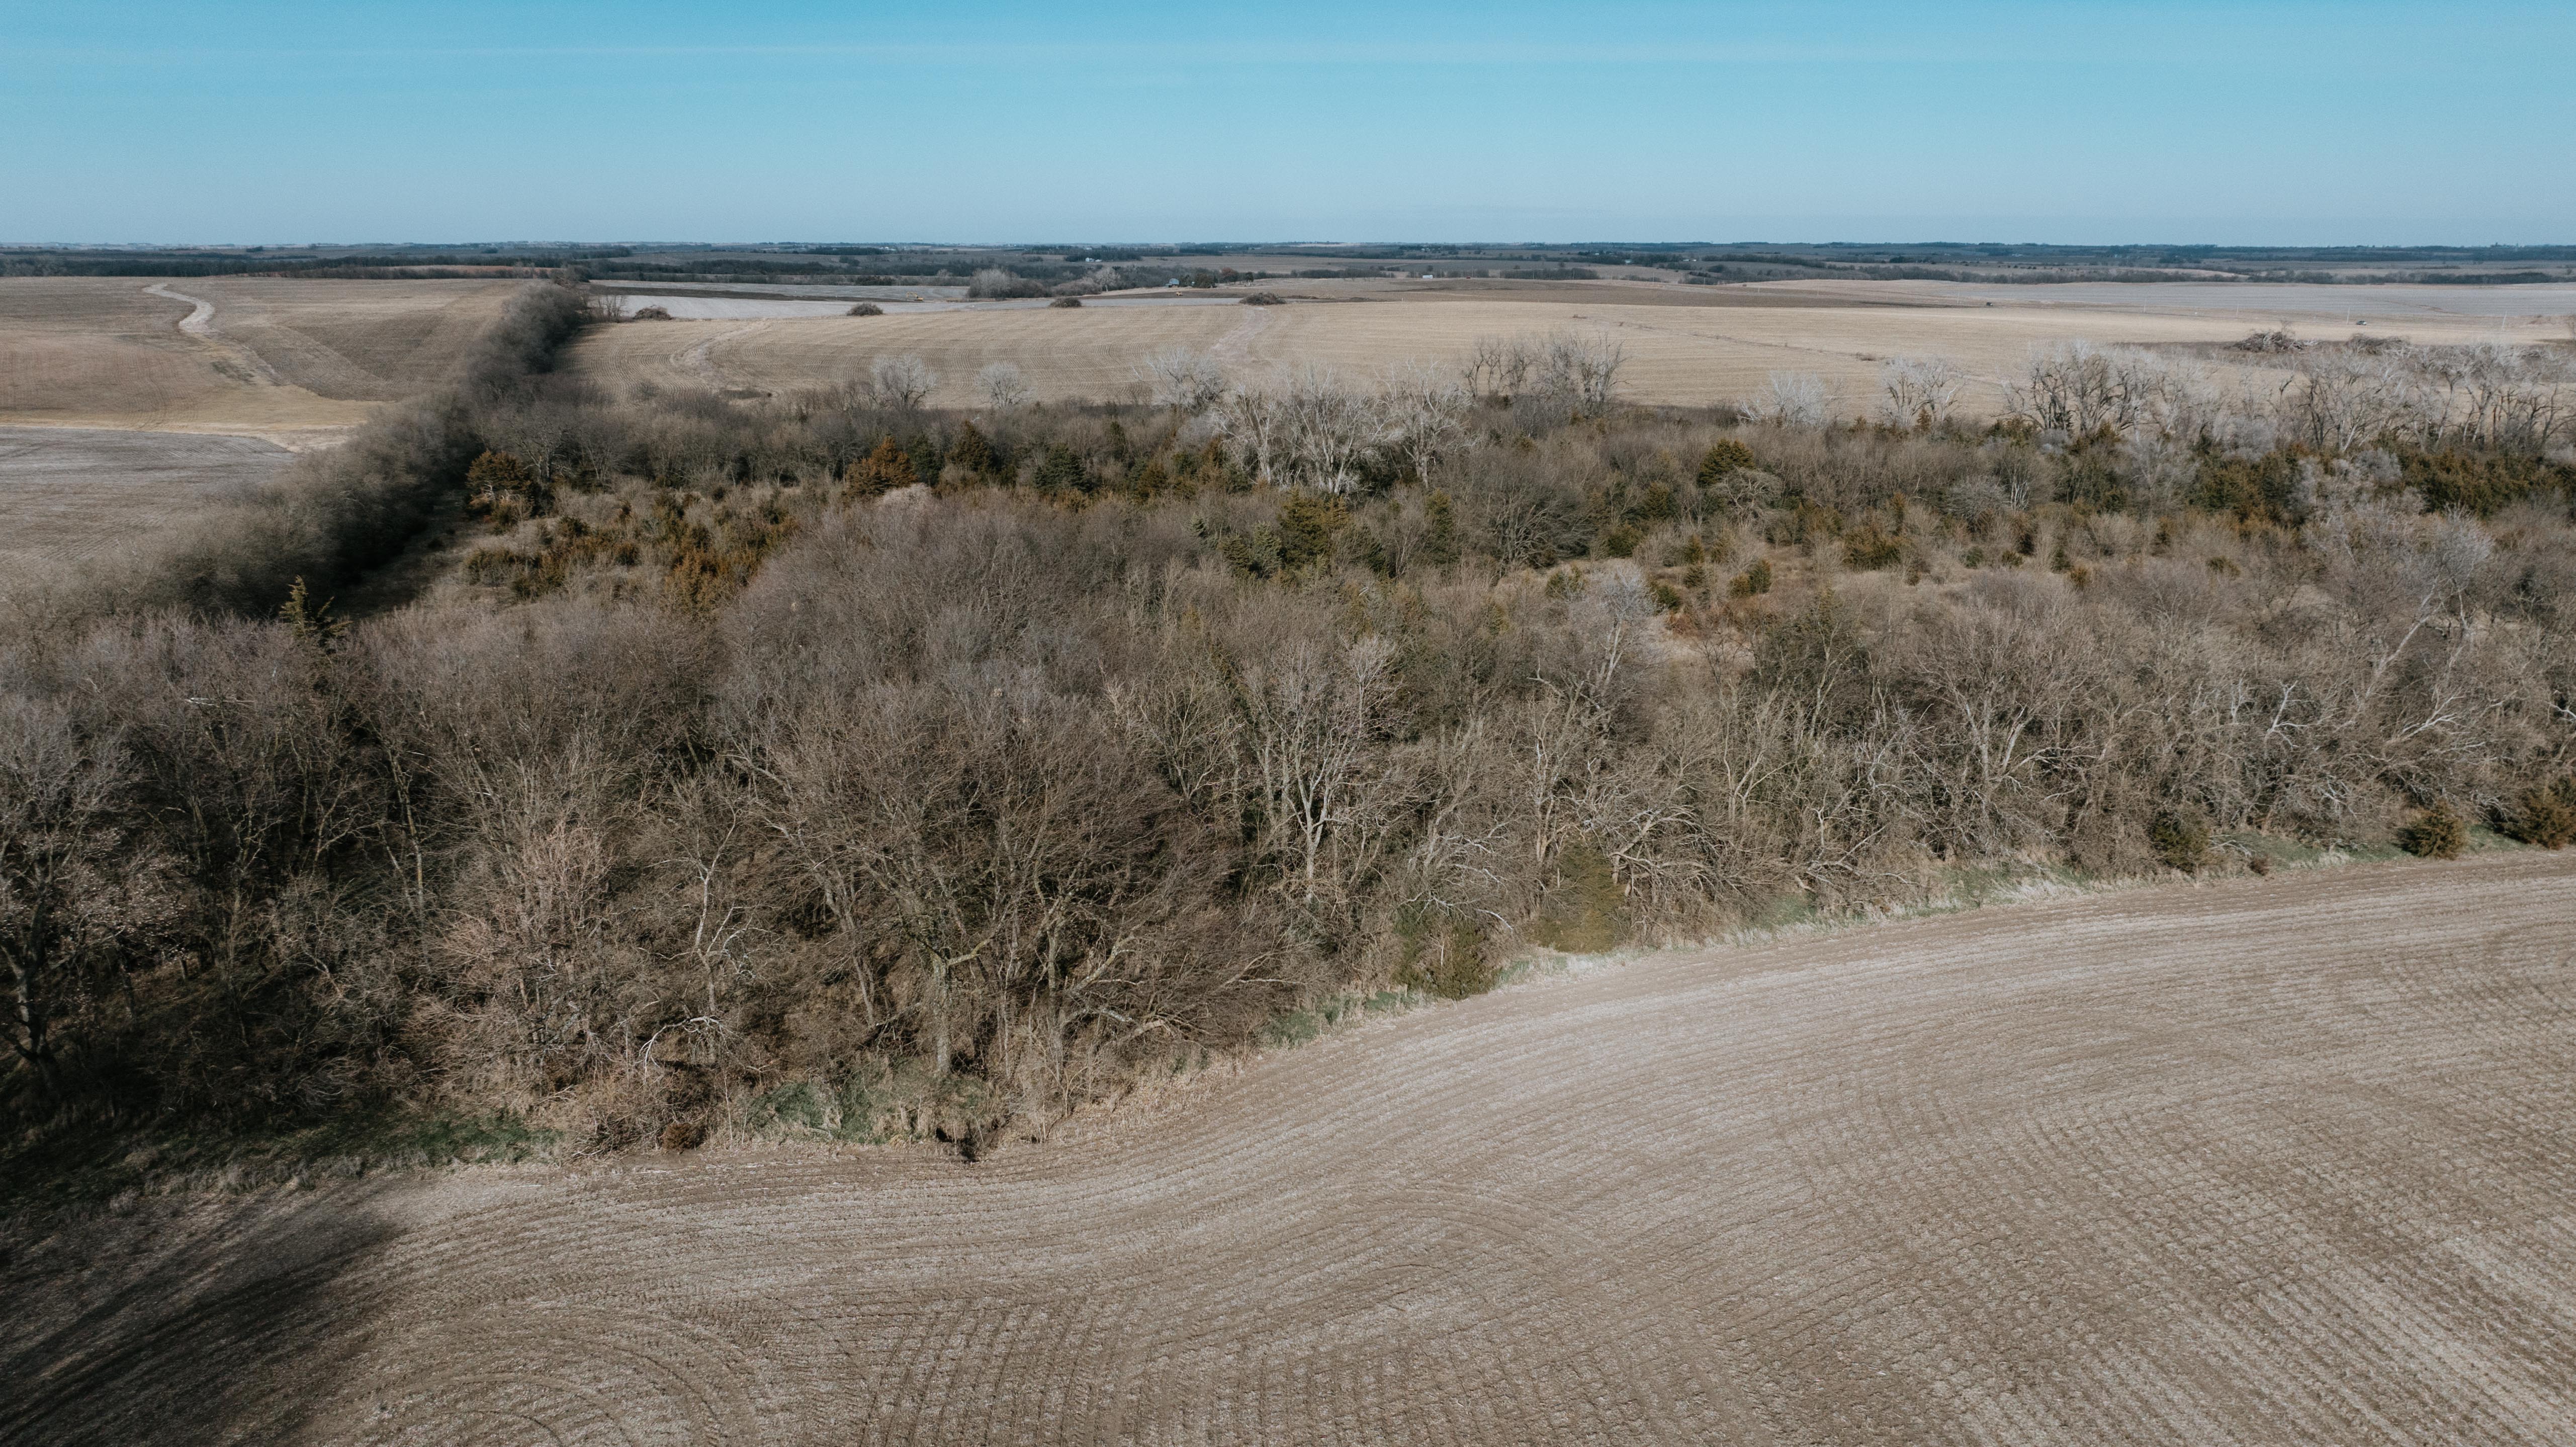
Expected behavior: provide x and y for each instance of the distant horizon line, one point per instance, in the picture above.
(1256, 244)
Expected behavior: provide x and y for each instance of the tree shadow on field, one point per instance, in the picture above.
(200, 1323)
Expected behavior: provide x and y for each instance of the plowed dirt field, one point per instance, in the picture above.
(2289, 1160)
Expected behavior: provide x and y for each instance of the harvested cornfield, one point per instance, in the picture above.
(2277, 1160)
(1684, 345)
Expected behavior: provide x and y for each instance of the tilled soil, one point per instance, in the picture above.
(2290, 1160)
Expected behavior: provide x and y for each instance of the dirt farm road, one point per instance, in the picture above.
(2282, 1160)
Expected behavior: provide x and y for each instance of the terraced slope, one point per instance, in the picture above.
(2273, 1161)
(229, 354)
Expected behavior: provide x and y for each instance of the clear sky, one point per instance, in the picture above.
(374, 120)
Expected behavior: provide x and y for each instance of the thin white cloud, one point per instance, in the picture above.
(1444, 53)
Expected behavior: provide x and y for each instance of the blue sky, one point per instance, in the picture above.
(2278, 123)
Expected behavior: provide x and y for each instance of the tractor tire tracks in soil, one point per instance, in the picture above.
(2264, 1160)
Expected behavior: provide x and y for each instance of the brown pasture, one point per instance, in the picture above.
(2278, 1160)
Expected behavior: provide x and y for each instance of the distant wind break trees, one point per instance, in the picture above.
(836, 767)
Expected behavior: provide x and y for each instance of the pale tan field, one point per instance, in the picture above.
(227, 354)
(2278, 1161)
(68, 495)
(1684, 345)
(2445, 308)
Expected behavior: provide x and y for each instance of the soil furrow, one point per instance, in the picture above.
(2269, 1160)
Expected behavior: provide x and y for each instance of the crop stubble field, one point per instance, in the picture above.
(2279, 1160)
(1684, 345)
(70, 494)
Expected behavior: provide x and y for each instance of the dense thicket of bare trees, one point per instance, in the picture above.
(1918, 391)
(2327, 398)
(807, 745)
(994, 283)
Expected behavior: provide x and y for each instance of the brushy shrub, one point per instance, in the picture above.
(2545, 814)
(1587, 912)
(490, 566)
(1442, 956)
(2181, 840)
(1872, 548)
(1807, 523)
(867, 309)
(882, 471)
(1263, 298)
(971, 450)
(2437, 833)
(1724, 456)
(1065, 301)
(1753, 581)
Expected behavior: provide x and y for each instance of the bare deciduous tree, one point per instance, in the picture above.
(1326, 428)
(902, 383)
(60, 880)
(1581, 367)
(993, 283)
(2499, 396)
(1918, 391)
(2347, 399)
(1310, 721)
(1002, 386)
(1497, 366)
(1181, 378)
(1425, 416)
(1254, 421)
(1793, 399)
(2075, 389)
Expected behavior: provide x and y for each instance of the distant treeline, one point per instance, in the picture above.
(1943, 261)
(363, 267)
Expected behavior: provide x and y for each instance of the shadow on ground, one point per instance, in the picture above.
(211, 1325)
